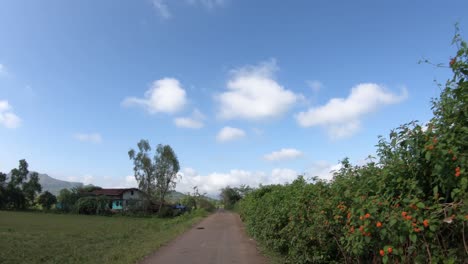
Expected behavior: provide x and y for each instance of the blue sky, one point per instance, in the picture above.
(244, 91)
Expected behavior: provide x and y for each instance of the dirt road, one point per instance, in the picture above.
(220, 238)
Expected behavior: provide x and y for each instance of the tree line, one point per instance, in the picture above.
(21, 190)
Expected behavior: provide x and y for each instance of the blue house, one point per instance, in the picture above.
(121, 198)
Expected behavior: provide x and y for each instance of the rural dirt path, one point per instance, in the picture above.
(219, 238)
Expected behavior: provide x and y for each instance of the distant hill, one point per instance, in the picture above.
(174, 196)
(54, 185)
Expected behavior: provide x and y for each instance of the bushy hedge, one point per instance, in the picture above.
(408, 205)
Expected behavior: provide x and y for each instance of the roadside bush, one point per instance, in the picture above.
(93, 205)
(408, 205)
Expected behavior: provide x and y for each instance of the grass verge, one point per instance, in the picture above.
(27, 237)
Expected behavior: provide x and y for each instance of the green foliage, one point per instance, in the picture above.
(19, 193)
(230, 196)
(98, 205)
(46, 200)
(156, 177)
(408, 205)
(167, 169)
(67, 199)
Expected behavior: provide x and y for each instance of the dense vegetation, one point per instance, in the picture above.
(19, 192)
(62, 238)
(408, 205)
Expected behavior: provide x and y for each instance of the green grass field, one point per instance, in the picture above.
(53, 238)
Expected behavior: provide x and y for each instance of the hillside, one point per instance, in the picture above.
(54, 185)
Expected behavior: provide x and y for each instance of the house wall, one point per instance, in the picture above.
(137, 195)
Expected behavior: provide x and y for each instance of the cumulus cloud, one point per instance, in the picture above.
(342, 116)
(213, 182)
(195, 121)
(253, 94)
(283, 154)
(161, 8)
(7, 118)
(230, 133)
(92, 137)
(165, 95)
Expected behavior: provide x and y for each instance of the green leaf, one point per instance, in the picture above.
(413, 238)
(420, 205)
(385, 259)
(428, 155)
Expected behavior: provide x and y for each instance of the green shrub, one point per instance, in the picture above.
(408, 205)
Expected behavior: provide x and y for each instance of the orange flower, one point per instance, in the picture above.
(389, 250)
(408, 217)
(367, 215)
(404, 214)
(452, 61)
(417, 230)
(454, 158)
(413, 224)
(457, 174)
(382, 252)
(361, 228)
(426, 223)
(457, 169)
(430, 147)
(352, 229)
(349, 215)
(361, 218)
(379, 224)
(466, 217)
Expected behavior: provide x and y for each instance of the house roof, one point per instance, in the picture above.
(113, 192)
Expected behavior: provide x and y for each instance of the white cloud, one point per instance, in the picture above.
(92, 137)
(283, 154)
(161, 7)
(323, 170)
(230, 133)
(195, 121)
(210, 4)
(88, 179)
(342, 116)
(213, 182)
(315, 85)
(7, 118)
(165, 95)
(253, 94)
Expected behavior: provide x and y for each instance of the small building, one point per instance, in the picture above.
(121, 199)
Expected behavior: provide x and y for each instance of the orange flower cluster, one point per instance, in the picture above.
(457, 172)
(452, 61)
(426, 223)
(379, 224)
(389, 250)
(406, 216)
(382, 252)
(417, 230)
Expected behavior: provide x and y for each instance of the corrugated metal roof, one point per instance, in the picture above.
(113, 192)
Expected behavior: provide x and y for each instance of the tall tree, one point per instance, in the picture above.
(31, 188)
(155, 176)
(167, 169)
(144, 169)
(15, 195)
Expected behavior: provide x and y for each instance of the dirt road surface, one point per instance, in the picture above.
(219, 238)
